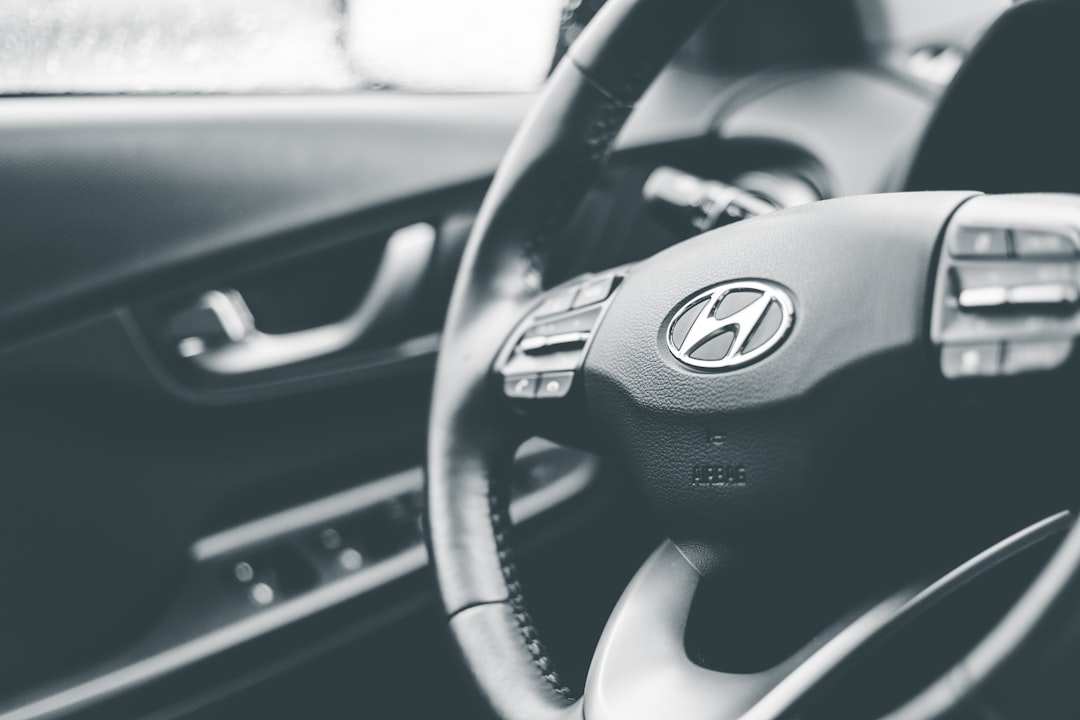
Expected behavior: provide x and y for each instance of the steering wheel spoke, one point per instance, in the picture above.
(641, 668)
(1007, 295)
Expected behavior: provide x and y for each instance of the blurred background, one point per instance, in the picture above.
(249, 46)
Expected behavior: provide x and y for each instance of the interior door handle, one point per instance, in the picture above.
(247, 349)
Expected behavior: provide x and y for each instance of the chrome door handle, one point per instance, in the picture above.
(247, 349)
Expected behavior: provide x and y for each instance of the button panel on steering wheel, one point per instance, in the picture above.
(1008, 286)
(542, 360)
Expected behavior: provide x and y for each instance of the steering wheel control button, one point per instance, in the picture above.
(1042, 244)
(980, 243)
(554, 385)
(1024, 357)
(557, 302)
(594, 291)
(533, 344)
(553, 343)
(981, 298)
(1013, 272)
(577, 322)
(563, 333)
(520, 387)
(965, 361)
(1048, 295)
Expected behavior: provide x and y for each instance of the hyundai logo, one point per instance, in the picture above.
(730, 325)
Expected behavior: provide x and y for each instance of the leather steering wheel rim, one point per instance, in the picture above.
(553, 158)
(556, 154)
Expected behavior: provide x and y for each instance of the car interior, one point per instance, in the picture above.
(719, 368)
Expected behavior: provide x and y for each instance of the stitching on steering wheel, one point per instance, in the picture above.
(499, 504)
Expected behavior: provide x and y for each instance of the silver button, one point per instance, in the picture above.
(330, 539)
(981, 360)
(350, 559)
(555, 385)
(1021, 357)
(261, 594)
(1039, 243)
(979, 243)
(520, 387)
(558, 301)
(243, 572)
(594, 291)
(1043, 294)
(983, 297)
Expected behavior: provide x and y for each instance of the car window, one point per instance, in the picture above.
(274, 46)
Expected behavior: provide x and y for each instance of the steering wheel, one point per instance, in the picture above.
(719, 372)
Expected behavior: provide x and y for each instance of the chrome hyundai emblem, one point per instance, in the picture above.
(730, 325)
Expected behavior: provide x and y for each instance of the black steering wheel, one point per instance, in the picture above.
(719, 373)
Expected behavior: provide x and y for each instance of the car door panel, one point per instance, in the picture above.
(101, 193)
(118, 453)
